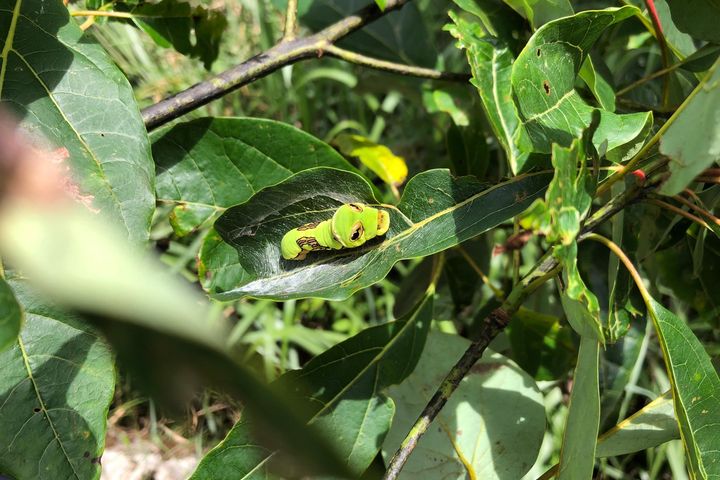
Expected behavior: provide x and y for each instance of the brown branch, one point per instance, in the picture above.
(287, 52)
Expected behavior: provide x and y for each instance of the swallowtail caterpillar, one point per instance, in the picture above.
(350, 226)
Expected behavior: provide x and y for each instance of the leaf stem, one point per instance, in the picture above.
(291, 20)
(664, 52)
(392, 67)
(499, 294)
(705, 213)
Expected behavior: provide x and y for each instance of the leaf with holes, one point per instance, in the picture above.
(543, 80)
(69, 94)
(209, 164)
(56, 383)
(342, 391)
(436, 212)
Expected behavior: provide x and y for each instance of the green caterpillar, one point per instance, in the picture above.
(350, 226)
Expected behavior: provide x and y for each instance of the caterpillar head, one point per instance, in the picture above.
(353, 224)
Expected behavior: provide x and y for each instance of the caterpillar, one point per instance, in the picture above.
(351, 225)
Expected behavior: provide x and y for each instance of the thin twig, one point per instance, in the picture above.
(291, 20)
(679, 211)
(664, 51)
(101, 13)
(393, 67)
(698, 208)
(499, 294)
(708, 179)
(625, 260)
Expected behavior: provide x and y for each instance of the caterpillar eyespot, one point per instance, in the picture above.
(351, 226)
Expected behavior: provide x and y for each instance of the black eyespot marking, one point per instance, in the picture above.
(357, 231)
(356, 207)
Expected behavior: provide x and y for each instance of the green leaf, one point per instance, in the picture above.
(381, 4)
(56, 384)
(380, 159)
(543, 80)
(491, 62)
(695, 387)
(399, 36)
(11, 316)
(598, 85)
(342, 392)
(444, 102)
(697, 17)
(469, 427)
(541, 345)
(436, 212)
(69, 94)
(539, 12)
(649, 427)
(495, 18)
(191, 30)
(209, 164)
(577, 457)
(692, 139)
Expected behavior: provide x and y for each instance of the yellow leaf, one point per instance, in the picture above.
(391, 168)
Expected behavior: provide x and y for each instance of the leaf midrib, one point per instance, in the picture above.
(9, 43)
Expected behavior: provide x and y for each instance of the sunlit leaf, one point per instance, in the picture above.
(539, 12)
(56, 383)
(543, 80)
(692, 141)
(69, 94)
(468, 434)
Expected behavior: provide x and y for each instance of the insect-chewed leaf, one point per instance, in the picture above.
(437, 211)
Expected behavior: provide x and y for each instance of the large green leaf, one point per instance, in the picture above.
(493, 424)
(342, 392)
(71, 95)
(543, 80)
(692, 141)
(577, 457)
(56, 384)
(695, 387)
(209, 164)
(491, 63)
(436, 212)
(697, 17)
(11, 316)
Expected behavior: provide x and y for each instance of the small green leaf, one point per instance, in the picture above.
(342, 392)
(577, 457)
(445, 102)
(65, 88)
(543, 80)
(380, 159)
(649, 427)
(11, 316)
(436, 212)
(692, 140)
(598, 85)
(381, 4)
(209, 164)
(56, 384)
(468, 434)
